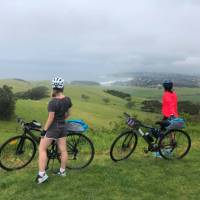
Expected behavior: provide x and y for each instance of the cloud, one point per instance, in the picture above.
(190, 62)
(99, 37)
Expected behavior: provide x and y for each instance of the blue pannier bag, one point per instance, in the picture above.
(76, 126)
(176, 123)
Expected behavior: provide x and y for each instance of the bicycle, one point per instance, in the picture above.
(18, 151)
(171, 143)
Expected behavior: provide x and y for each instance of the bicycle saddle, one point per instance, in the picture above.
(163, 123)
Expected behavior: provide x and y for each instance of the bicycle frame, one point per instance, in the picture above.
(29, 133)
(36, 139)
(140, 131)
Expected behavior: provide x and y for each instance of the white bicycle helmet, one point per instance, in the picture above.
(57, 82)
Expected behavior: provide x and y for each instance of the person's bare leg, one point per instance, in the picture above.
(44, 143)
(63, 150)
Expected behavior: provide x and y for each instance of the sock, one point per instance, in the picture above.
(41, 173)
(62, 170)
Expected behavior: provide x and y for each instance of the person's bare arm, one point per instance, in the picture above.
(49, 120)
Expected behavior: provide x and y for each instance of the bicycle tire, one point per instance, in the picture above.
(78, 159)
(114, 145)
(167, 150)
(19, 149)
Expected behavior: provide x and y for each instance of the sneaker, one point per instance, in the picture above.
(59, 173)
(168, 152)
(156, 154)
(41, 179)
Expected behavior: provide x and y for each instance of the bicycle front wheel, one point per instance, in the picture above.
(175, 144)
(80, 151)
(17, 152)
(123, 146)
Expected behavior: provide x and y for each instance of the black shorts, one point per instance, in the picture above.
(56, 131)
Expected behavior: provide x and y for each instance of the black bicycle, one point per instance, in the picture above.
(170, 143)
(17, 152)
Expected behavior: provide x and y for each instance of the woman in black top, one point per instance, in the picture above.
(55, 129)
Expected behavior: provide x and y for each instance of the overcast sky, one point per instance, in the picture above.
(84, 39)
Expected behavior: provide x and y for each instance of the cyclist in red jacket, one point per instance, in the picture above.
(169, 106)
(169, 100)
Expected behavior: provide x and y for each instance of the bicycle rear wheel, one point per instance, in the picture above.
(17, 152)
(175, 144)
(80, 151)
(123, 146)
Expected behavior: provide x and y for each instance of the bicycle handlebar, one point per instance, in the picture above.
(34, 125)
(126, 115)
(21, 121)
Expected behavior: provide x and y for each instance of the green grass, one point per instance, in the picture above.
(141, 177)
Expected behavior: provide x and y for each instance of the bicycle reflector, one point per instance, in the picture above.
(13, 142)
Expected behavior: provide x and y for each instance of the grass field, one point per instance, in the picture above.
(140, 177)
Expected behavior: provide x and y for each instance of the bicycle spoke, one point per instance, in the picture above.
(123, 146)
(80, 151)
(175, 145)
(17, 153)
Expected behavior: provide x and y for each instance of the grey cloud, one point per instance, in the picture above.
(84, 37)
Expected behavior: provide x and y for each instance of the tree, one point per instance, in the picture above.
(7, 103)
(39, 93)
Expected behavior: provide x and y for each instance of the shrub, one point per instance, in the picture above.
(119, 94)
(7, 102)
(34, 93)
(130, 104)
(151, 106)
(128, 98)
(85, 97)
(188, 107)
(106, 100)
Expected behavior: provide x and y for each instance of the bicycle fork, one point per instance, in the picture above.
(20, 146)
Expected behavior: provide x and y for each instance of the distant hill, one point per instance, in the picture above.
(17, 84)
(21, 80)
(148, 79)
(84, 83)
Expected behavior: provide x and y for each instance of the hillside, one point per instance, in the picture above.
(140, 177)
(153, 79)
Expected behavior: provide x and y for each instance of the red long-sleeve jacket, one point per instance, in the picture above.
(169, 104)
